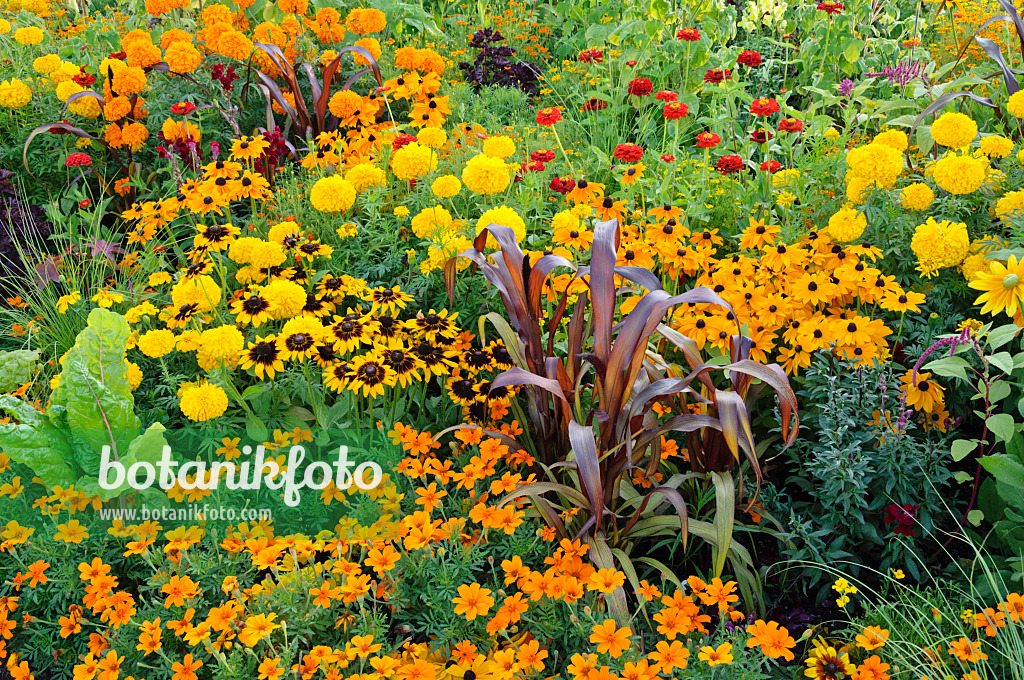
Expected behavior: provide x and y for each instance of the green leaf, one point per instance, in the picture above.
(998, 391)
(94, 391)
(1003, 361)
(255, 429)
(975, 517)
(962, 448)
(725, 509)
(998, 337)
(36, 442)
(1001, 425)
(1006, 470)
(949, 367)
(16, 368)
(851, 51)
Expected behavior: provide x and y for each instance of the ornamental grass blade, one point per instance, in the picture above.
(588, 466)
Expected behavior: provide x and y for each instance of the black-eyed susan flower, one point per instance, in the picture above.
(263, 356)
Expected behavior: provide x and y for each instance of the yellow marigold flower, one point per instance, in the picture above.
(332, 194)
(220, 346)
(15, 93)
(784, 179)
(879, 163)
(5, 26)
(954, 130)
(1016, 104)
(364, 176)
(134, 376)
(157, 343)
(847, 224)
(66, 301)
(46, 64)
(286, 298)
(996, 146)
(499, 146)
(432, 223)
(446, 186)
(400, 212)
(234, 44)
(30, 35)
(961, 174)
(917, 196)
(940, 244)
(1010, 205)
(412, 161)
(504, 216)
(344, 103)
(203, 402)
(433, 137)
(201, 291)
(486, 175)
(897, 139)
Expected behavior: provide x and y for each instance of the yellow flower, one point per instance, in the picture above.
(504, 216)
(897, 139)
(445, 186)
(996, 146)
(486, 175)
(499, 147)
(157, 343)
(877, 163)
(917, 196)
(365, 176)
(1002, 287)
(412, 161)
(106, 299)
(332, 194)
(400, 212)
(30, 35)
(940, 244)
(14, 93)
(72, 532)
(848, 224)
(201, 291)
(432, 137)
(961, 174)
(66, 301)
(1016, 104)
(203, 402)
(954, 130)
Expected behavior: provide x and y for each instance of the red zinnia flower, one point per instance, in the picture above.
(729, 164)
(675, 110)
(629, 153)
(717, 75)
(120, 54)
(690, 34)
(831, 7)
(666, 96)
(708, 140)
(640, 87)
(533, 166)
(771, 166)
(764, 107)
(60, 131)
(78, 159)
(542, 155)
(631, 62)
(182, 108)
(594, 104)
(84, 79)
(749, 58)
(591, 55)
(790, 125)
(84, 203)
(760, 135)
(549, 116)
(562, 185)
(667, 157)
(401, 140)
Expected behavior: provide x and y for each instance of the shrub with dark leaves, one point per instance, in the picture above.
(495, 65)
(23, 227)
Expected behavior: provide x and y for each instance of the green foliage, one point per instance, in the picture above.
(16, 368)
(857, 457)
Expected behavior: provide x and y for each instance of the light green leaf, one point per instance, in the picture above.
(948, 367)
(1001, 425)
(36, 442)
(94, 391)
(998, 391)
(1003, 361)
(962, 448)
(16, 368)
(975, 517)
(998, 337)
